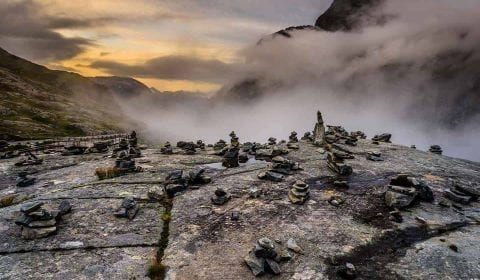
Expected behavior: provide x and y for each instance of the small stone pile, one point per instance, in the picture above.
(122, 146)
(23, 180)
(128, 209)
(188, 148)
(374, 156)
(307, 136)
(198, 177)
(263, 153)
(385, 137)
(358, 134)
(284, 166)
(299, 192)
(29, 159)
(403, 191)
(293, 137)
(220, 197)
(272, 141)
(265, 257)
(337, 164)
(176, 181)
(234, 142)
(279, 169)
(98, 147)
(125, 163)
(335, 133)
(436, 149)
(230, 158)
(74, 149)
(463, 194)
(220, 145)
(166, 149)
(37, 222)
(200, 145)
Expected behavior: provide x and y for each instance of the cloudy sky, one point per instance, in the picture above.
(169, 44)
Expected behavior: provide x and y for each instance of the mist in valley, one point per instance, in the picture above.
(416, 76)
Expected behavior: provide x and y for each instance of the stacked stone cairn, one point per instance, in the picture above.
(337, 164)
(29, 159)
(307, 136)
(293, 141)
(280, 167)
(128, 209)
(319, 131)
(122, 146)
(299, 192)
(358, 134)
(220, 197)
(166, 149)
(188, 148)
(265, 257)
(436, 149)
(220, 148)
(293, 137)
(177, 181)
(385, 137)
(462, 194)
(23, 180)
(37, 222)
(98, 147)
(74, 149)
(404, 191)
(374, 156)
(200, 145)
(272, 141)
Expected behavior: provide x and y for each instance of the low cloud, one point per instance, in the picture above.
(173, 68)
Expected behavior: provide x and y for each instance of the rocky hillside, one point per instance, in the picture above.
(38, 102)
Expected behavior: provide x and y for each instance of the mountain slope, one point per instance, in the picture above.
(38, 102)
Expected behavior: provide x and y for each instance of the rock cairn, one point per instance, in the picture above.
(266, 256)
(384, 137)
(200, 145)
(404, 190)
(177, 181)
(307, 136)
(188, 148)
(29, 159)
(461, 194)
(436, 149)
(272, 141)
(23, 180)
(230, 158)
(299, 192)
(166, 149)
(319, 131)
(336, 163)
(220, 197)
(374, 156)
(293, 137)
(128, 209)
(280, 168)
(37, 222)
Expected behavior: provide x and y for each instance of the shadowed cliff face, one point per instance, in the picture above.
(350, 14)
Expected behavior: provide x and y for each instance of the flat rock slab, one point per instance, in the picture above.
(109, 263)
(91, 224)
(205, 243)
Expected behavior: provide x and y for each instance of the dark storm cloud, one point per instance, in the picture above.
(173, 68)
(25, 32)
